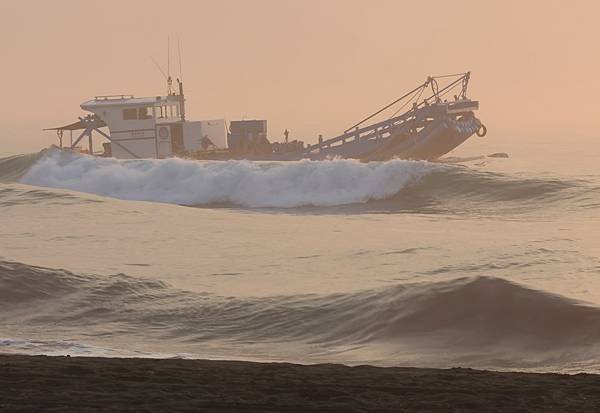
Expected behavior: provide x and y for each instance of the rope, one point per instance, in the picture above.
(416, 94)
(448, 91)
(415, 100)
(385, 107)
(444, 76)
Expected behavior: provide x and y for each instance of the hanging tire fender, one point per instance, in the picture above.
(482, 131)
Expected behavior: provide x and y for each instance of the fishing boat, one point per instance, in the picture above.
(427, 122)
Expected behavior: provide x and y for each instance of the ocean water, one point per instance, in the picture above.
(472, 261)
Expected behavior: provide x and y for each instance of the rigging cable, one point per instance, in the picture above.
(386, 107)
(411, 100)
(158, 67)
(453, 75)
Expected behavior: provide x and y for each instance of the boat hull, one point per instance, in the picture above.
(431, 142)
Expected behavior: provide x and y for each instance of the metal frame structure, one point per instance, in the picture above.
(419, 127)
(88, 124)
(422, 111)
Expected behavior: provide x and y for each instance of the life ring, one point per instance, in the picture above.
(482, 131)
(163, 132)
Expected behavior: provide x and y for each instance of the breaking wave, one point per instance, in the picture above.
(242, 183)
(478, 316)
(14, 167)
(281, 185)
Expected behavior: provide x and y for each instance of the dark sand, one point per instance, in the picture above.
(50, 384)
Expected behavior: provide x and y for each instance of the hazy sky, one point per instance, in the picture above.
(309, 66)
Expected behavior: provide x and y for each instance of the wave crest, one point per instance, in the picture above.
(245, 183)
(412, 185)
(465, 313)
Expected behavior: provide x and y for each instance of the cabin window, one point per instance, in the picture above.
(130, 114)
(145, 113)
(167, 112)
(173, 111)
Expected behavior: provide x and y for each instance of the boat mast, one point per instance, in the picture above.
(169, 79)
(180, 83)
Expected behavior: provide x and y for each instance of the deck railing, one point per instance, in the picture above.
(113, 97)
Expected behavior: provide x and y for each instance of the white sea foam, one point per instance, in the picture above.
(252, 184)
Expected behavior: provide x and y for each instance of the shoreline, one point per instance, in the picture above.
(60, 383)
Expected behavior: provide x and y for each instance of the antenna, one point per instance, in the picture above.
(158, 67)
(180, 82)
(179, 53)
(169, 80)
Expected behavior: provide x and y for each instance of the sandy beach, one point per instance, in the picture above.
(42, 383)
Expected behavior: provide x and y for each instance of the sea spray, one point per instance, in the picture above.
(245, 183)
(396, 185)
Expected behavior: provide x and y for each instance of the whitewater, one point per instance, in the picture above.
(242, 183)
(478, 262)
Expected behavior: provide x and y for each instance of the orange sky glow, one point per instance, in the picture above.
(313, 67)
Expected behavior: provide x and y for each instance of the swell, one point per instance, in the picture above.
(462, 182)
(466, 314)
(15, 167)
(391, 185)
